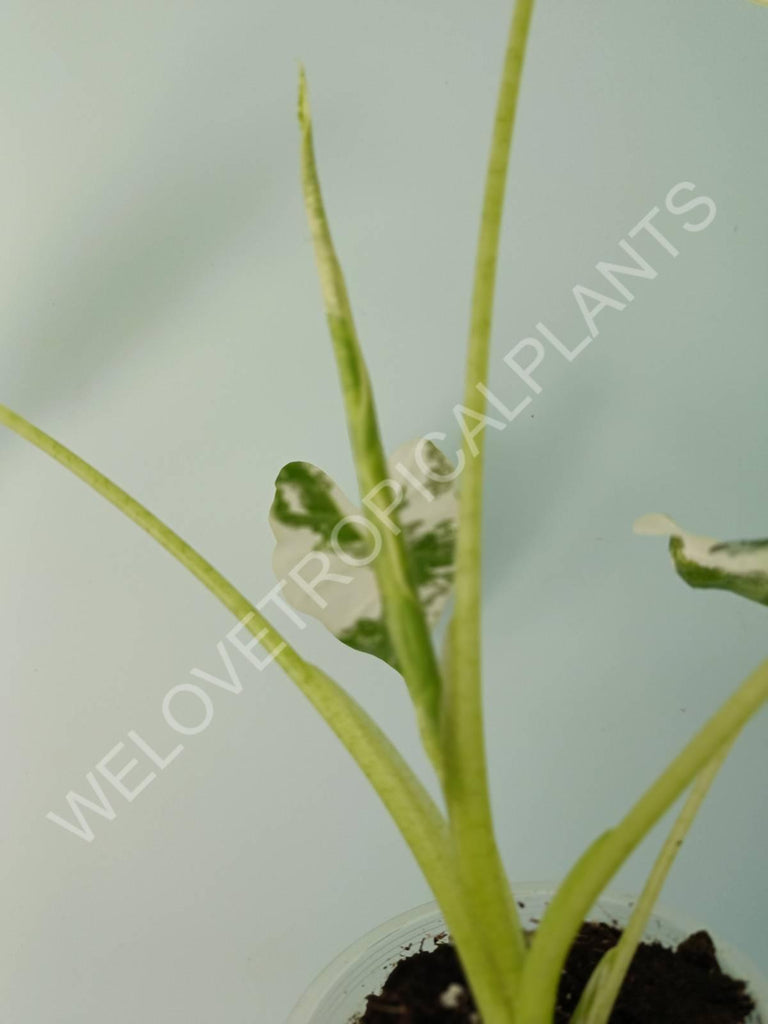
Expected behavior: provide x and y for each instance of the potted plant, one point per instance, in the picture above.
(379, 576)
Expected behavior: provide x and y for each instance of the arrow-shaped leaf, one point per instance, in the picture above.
(322, 539)
(740, 566)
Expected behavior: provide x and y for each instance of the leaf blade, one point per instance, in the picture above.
(598, 864)
(402, 610)
(740, 567)
(604, 986)
(305, 517)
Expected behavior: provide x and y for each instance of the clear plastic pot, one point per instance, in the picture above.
(338, 994)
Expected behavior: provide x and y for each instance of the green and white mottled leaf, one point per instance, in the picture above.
(305, 517)
(740, 566)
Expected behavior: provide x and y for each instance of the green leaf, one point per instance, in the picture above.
(597, 1003)
(739, 566)
(600, 862)
(588, 999)
(402, 611)
(321, 537)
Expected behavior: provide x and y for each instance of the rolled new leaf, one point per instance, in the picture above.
(740, 566)
(403, 612)
(324, 546)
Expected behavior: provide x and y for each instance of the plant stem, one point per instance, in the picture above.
(599, 863)
(413, 810)
(357, 731)
(403, 611)
(466, 776)
(598, 1007)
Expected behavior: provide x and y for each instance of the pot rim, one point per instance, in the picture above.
(732, 960)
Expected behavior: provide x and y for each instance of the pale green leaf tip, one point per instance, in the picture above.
(304, 112)
(656, 524)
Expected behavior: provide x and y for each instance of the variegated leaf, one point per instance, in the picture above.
(318, 560)
(740, 566)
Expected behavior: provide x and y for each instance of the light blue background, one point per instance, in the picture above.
(161, 316)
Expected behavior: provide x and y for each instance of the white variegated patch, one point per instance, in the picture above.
(317, 560)
(739, 566)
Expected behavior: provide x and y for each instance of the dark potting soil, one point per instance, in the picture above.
(663, 986)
